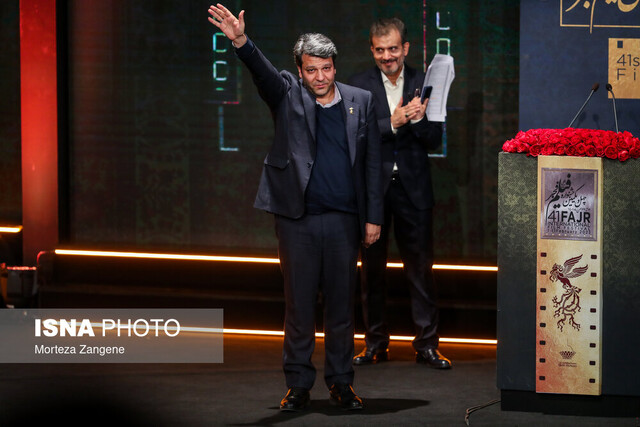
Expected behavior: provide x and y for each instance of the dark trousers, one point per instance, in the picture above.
(318, 254)
(413, 230)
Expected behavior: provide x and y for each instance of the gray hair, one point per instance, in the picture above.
(314, 44)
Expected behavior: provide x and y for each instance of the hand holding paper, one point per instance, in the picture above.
(440, 74)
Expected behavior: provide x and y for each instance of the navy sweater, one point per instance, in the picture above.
(331, 186)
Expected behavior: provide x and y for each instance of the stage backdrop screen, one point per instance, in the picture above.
(167, 134)
(567, 47)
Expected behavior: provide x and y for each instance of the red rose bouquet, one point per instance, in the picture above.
(575, 142)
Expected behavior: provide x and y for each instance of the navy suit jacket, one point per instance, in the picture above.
(409, 147)
(288, 165)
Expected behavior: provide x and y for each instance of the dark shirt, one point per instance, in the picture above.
(331, 186)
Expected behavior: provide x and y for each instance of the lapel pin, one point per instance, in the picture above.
(350, 110)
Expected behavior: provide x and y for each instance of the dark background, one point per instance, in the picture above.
(146, 135)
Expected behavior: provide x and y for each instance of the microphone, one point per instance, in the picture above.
(615, 114)
(593, 89)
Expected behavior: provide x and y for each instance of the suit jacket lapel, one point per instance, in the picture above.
(409, 84)
(352, 112)
(309, 104)
(379, 92)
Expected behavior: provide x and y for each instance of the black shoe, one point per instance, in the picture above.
(297, 399)
(344, 396)
(432, 358)
(368, 356)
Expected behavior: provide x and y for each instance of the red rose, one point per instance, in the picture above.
(635, 152)
(599, 150)
(559, 150)
(534, 150)
(623, 155)
(609, 138)
(623, 145)
(581, 149)
(590, 151)
(626, 138)
(547, 150)
(571, 150)
(522, 147)
(611, 151)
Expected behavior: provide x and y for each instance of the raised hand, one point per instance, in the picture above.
(226, 22)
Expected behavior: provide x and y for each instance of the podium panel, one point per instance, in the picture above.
(518, 284)
(569, 272)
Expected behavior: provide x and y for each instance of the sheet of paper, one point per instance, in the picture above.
(440, 74)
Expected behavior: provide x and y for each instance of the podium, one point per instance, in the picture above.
(518, 329)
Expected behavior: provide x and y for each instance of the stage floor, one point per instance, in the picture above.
(246, 389)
